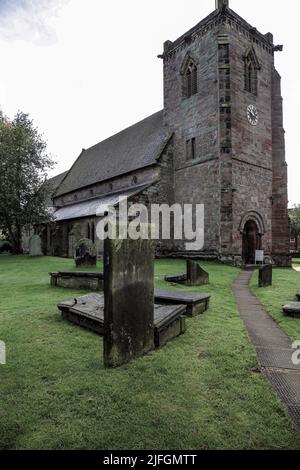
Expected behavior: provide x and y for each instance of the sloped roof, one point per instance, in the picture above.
(96, 206)
(136, 147)
(53, 184)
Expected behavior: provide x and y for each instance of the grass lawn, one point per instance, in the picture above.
(286, 282)
(201, 391)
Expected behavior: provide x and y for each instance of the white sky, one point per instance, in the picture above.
(86, 69)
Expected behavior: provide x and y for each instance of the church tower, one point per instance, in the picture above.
(222, 102)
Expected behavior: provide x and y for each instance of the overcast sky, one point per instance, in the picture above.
(86, 69)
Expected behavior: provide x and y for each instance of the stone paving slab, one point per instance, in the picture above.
(273, 347)
(267, 340)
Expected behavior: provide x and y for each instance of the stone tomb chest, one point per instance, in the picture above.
(292, 309)
(196, 303)
(78, 280)
(88, 312)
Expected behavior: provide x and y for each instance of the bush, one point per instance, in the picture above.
(5, 246)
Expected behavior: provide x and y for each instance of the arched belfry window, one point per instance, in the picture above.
(191, 77)
(189, 72)
(251, 71)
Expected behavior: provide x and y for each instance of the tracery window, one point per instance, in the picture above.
(251, 72)
(189, 72)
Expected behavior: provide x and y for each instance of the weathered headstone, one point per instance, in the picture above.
(35, 246)
(265, 276)
(85, 253)
(196, 276)
(298, 295)
(129, 300)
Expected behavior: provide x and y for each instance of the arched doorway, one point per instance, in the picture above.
(251, 241)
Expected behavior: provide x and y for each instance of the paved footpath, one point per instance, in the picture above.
(273, 347)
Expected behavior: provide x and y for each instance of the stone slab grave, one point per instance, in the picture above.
(85, 253)
(87, 311)
(77, 280)
(35, 246)
(196, 303)
(292, 309)
(265, 276)
(194, 276)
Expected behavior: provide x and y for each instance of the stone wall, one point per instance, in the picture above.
(253, 196)
(197, 180)
(280, 220)
(239, 169)
(135, 178)
(251, 145)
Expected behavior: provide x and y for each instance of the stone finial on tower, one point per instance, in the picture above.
(220, 4)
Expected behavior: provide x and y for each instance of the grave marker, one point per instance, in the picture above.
(35, 246)
(265, 276)
(85, 253)
(129, 300)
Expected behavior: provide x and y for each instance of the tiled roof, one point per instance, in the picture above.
(136, 147)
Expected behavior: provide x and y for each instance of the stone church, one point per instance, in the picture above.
(219, 141)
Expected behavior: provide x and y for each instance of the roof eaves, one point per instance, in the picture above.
(56, 193)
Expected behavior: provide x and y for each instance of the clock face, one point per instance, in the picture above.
(252, 115)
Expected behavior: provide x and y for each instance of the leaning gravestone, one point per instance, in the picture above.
(196, 276)
(129, 300)
(265, 276)
(85, 253)
(35, 246)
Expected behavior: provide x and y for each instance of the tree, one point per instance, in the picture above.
(294, 214)
(23, 170)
